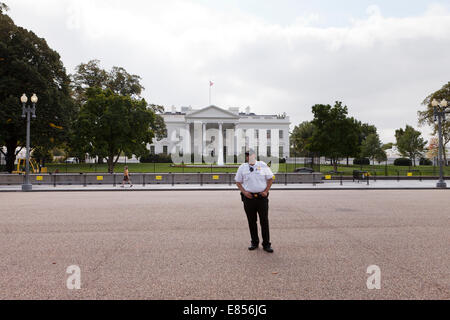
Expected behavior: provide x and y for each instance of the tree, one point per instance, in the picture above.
(426, 117)
(433, 148)
(410, 143)
(111, 124)
(372, 148)
(27, 64)
(352, 144)
(332, 130)
(301, 136)
(90, 75)
(118, 80)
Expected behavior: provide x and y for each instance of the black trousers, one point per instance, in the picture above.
(253, 208)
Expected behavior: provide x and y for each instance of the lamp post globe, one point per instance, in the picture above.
(34, 98)
(24, 98)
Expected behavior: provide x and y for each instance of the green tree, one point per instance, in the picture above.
(410, 143)
(28, 65)
(111, 124)
(352, 144)
(426, 117)
(332, 129)
(120, 82)
(301, 136)
(372, 148)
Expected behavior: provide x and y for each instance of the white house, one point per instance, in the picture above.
(194, 131)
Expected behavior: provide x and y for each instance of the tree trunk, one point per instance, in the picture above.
(10, 158)
(110, 161)
(100, 160)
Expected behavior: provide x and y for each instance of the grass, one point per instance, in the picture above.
(379, 170)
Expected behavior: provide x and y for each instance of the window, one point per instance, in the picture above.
(281, 134)
(165, 148)
(152, 149)
(269, 134)
(257, 133)
(281, 152)
(269, 152)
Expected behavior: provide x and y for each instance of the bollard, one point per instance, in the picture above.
(341, 180)
(143, 179)
(114, 179)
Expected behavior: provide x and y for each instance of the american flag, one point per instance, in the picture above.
(211, 83)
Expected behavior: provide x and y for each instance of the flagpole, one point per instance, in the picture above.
(210, 94)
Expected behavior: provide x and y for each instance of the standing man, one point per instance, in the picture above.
(254, 179)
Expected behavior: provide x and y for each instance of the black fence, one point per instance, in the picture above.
(89, 179)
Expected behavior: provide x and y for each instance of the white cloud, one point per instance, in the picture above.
(381, 67)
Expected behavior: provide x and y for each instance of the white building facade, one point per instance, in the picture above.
(205, 131)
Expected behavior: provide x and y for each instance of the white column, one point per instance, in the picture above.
(187, 137)
(204, 140)
(220, 161)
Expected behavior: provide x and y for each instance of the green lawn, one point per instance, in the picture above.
(379, 170)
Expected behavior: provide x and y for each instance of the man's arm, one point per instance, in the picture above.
(265, 193)
(246, 193)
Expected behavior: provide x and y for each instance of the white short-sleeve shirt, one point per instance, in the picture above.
(255, 181)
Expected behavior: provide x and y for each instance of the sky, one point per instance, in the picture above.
(380, 58)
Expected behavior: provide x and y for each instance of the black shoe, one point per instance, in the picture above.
(268, 249)
(253, 247)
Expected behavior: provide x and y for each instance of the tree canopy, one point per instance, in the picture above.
(410, 143)
(28, 65)
(426, 117)
(334, 131)
(110, 124)
(372, 148)
(301, 137)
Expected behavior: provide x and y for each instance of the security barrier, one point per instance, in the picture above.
(90, 179)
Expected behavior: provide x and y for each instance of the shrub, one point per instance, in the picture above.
(405, 162)
(156, 158)
(425, 162)
(362, 161)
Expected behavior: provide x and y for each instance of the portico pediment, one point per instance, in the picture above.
(212, 112)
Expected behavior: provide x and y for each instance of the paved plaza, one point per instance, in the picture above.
(193, 245)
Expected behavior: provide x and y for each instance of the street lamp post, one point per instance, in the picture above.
(28, 112)
(439, 116)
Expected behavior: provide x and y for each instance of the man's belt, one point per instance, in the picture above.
(256, 195)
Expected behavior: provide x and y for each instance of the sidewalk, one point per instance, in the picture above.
(329, 185)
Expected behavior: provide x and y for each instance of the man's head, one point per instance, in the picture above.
(250, 156)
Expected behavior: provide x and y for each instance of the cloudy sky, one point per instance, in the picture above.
(381, 58)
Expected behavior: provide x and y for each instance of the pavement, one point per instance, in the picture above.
(193, 245)
(327, 185)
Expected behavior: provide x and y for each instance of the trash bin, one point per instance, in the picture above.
(359, 175)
